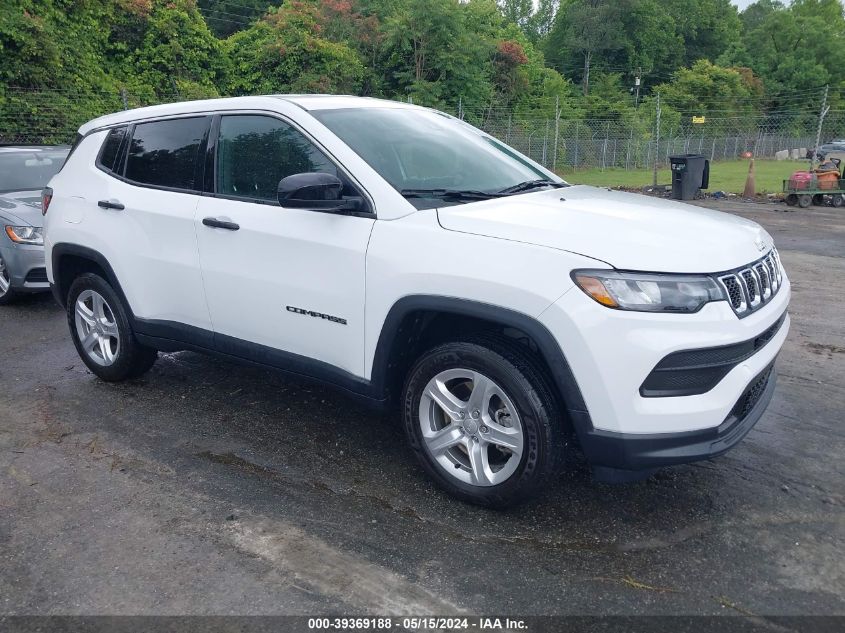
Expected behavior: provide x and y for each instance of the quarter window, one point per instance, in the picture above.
(166, 153)
(111, 147)
(255, 152)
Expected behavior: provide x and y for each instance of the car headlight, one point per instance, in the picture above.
(648, 292)
(25, 234)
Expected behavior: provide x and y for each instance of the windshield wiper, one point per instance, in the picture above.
(449, 194)
(531, 184)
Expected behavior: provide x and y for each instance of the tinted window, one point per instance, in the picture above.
(166, 153)
(111, 146)
(255, 152)
(26, 170)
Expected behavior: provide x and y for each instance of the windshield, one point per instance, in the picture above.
(420, 150)
(29, 170)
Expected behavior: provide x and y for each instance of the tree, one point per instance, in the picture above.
(179, 57)
(708, 90)
(707, 27)
(285, 52)
(440, 51)
(226, 17)
(587, 28)
(795, 50)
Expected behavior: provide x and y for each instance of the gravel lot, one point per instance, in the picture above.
(208, 488)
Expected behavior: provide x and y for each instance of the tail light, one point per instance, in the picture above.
(46, 199)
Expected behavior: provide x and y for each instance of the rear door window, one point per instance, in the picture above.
(167, 153)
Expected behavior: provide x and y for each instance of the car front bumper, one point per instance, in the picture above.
(612, 352)
(25, 265)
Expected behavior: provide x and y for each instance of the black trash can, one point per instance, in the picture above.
(690, 173)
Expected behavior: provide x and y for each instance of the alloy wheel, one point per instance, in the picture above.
(97, 328)
(470, 427)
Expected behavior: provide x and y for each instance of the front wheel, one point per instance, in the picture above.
(99, 325)
(483, 421)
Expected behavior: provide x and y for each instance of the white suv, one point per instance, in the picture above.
(410, 259)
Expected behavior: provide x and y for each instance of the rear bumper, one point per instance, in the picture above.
(628, 456)
(26, 267)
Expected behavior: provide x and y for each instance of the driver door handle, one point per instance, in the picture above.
(221, 224)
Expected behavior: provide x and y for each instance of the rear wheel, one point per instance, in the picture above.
(837, 200)
(99, 325)
(482, 420)
(805, 200)
(818, 200)
(7, 294)
(792, 200)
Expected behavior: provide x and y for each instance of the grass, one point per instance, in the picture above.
(728, 176)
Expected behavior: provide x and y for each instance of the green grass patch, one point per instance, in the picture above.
(728, 176)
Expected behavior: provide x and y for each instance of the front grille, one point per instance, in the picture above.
(751, 287)
(752, 395)
(36, 276)
(734, 292)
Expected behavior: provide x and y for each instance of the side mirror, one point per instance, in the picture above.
(317, 191)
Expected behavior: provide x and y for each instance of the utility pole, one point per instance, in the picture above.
(461, 108)
(637, 86)
(822, 114)
(656, 143)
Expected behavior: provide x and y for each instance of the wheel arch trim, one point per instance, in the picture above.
(63, 249)
(548, 346)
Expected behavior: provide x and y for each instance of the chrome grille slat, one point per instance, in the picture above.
(750, 287)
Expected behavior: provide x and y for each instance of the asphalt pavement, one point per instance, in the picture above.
(210, 488)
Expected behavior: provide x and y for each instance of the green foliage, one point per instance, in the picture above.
(179, 56)
(795, 49)
(707, 28)
(65, 61)
(284, 52)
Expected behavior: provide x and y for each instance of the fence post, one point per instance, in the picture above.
(557, 132)
(123, 98)
(545, 144)
(508, 133)
(577, 127)
(657, 143)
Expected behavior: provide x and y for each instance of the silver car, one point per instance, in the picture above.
(24, 171)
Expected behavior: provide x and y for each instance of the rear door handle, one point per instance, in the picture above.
(221, 224)
(111, 204)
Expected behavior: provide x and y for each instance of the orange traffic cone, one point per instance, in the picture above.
(750, 184)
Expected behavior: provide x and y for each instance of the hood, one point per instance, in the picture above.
(22, 208)
(625, 230)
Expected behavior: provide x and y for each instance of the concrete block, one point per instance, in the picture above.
(782, 155)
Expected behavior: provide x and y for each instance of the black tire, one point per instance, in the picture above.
(818, 200)
(792, 200)
(9, 296)
(837, 200)
(525, 383)
(132, 358)
(805, 200)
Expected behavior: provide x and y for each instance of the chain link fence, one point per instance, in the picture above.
(560, 143)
